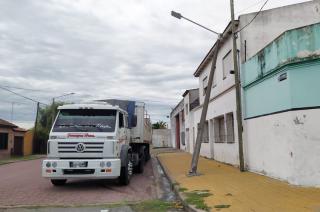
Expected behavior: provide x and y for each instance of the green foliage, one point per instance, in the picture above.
(159, 125)
(45, 118)
(183, 189)
(196, 198)
(154, 205)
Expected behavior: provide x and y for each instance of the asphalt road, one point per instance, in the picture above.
(21, 184)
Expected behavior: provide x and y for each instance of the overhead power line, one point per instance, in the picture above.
(21, 95)
(20, 88)
(253, 17)
(252, 5)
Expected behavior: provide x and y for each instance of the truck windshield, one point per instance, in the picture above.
(85, 120)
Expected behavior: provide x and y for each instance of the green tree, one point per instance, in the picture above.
(159, 125)
(44, 125)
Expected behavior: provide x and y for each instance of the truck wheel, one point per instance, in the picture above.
(58, 182)
(142, 161)
(126, 172)
(147, 154)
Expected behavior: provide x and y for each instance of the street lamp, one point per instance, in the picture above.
(61, 96)
(179, 16)
(53, 99)
(196, 151)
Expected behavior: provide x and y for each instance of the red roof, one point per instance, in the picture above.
(6, 124)
(18, 129)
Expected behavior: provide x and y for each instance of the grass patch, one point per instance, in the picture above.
(183, 189)
(196, 198)
(175, 184)
(156, 205)
(13, 159)
(221, 206)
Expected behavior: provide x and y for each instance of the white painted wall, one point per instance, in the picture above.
(269, 24)
(222, 102)
(161, 138)
(285, 146)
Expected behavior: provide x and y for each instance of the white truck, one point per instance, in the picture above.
(102, 140)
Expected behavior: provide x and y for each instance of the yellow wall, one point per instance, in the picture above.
(27, 146)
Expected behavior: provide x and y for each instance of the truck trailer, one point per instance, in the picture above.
(105, 139)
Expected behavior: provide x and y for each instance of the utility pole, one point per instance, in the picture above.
(35, 130)
(196, 151)
(238, 87)
(12, 104)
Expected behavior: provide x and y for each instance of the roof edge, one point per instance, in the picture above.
(225, 34)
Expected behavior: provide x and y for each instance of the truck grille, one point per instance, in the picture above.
(78, 171)
(88, 147)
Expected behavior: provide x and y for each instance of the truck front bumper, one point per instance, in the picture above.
(89, 168)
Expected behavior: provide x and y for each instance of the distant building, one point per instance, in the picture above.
(11, 139)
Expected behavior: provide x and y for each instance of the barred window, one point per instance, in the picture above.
(219, 130)
(230, 127)
(205, 137)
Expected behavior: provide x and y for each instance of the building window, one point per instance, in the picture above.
(182, 134)
(3, 141)
(205, 85)
(227, 64)
(219, 130)
(205, 137)
(230, 127)
(186, 108)
(214, 83)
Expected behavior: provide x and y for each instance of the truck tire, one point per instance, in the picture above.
(126, 172)
(58, 182)
(140, 167)
(147, 154)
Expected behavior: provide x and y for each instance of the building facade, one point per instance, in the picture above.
(11, 139)
(279, 69)
(282, 107)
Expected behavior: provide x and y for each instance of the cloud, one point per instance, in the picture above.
(98, 49)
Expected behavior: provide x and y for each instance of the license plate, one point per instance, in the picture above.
(80, 164)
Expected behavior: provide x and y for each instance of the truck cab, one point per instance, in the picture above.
(89, 141)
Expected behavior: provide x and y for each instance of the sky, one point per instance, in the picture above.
(98, 49)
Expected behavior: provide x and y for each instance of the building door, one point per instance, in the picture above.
(177, 132)
(18, 145)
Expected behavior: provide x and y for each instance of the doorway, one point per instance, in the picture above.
(177, 132)
(18, 146)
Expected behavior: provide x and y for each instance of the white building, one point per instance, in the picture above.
(274, 144)
(220, 140)
(280, 75)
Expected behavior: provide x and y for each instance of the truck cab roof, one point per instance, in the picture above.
(101, 106)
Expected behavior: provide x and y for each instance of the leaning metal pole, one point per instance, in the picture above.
(196, 151)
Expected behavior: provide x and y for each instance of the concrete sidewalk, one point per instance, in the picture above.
(242, 191)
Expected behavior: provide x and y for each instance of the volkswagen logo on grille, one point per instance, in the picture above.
(80, 147)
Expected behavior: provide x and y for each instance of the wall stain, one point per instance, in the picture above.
(297, 121)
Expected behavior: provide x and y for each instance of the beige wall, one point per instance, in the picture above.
(27, 143)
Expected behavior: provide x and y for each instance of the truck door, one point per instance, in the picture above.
(122, 129)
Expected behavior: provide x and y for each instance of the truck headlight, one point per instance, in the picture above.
(54, 164)
(108, 164)
(102, 164)
(48, 164)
